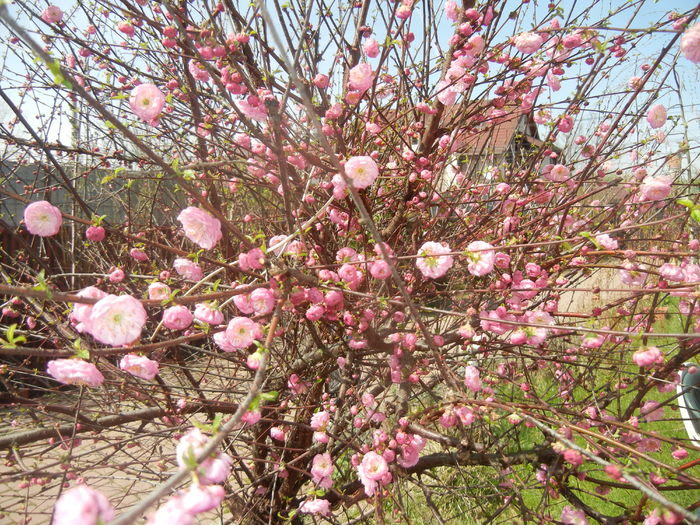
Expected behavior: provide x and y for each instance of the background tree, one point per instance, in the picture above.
(365, 262)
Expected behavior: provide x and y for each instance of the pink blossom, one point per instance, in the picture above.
(480, 262)
(322, 470)
(528, 43)
(278, 434)
(116, 276)
(372, 469)
(158, 291)
(147, 101)
(117, 320)
(371, 47)
(671, 272)
(380, 270)
(126, 27)
(573, 456)
(253, 108)
(556, 173)
(606, 241)
(410, 451)
(52, 15)
(296, 385)
(95, 233)
(82, 505)
(656, 117)
(321, 81)
(340, 189)
(431, 261)
(214, 469)
(571, 516)
(80, 316)
(202, 498)
(652, 411)
(263, 301)
(198, 71)
(206, 313)
(632, 274)
(690, 43)
(403, 12)
(172, 512)
(362, 171)
(243, 303)
(251, 417)
(222, 342)
(138, 255)
(242, 331)
(655, 188)
(679, 453)
(648, 357)
(139, 366)
(315, 312)
(177, 317)
(252, 260)
(471, 378)
(319, 420)
(361, 77)
(200, 227)
(42, 218)
(452, 11)
(75, 372)
(315, 506)
(188, 269)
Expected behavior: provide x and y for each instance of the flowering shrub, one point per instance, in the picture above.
(374, 263)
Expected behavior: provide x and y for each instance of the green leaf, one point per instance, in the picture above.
(686, 202)
(269, 396)
(11, 340)
(41, 285)
(82, 353)
(695, 214)
(110, 125)
(55, 68)
(216, 424)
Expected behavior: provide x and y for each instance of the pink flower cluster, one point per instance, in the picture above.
(117, 320)
(252, 260)
(182, 508)
(188, 269)
(214, 469)
(177, 317)
(82, 505)
(200, 227)
(432, 262)
(147, 102)
(362, 171)
(481, 258)
(42, 218)
(372, 471)
(690, 44)
(528, 43)
(319, 506)
(322, 470)
(139, 366)
(648, 357)
(52, 15)
(75, 372)
(259, 302)
(241, 332)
